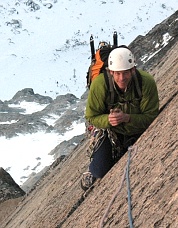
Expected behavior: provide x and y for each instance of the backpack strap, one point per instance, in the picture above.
(109, 84)
(138, 84)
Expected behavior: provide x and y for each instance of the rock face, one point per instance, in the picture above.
(58, 201)
(8, 188)
(149, 49)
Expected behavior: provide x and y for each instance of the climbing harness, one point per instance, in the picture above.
(120, 143)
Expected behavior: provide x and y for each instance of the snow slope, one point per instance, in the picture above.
(27, 153)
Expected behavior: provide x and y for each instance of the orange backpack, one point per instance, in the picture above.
(99, 60)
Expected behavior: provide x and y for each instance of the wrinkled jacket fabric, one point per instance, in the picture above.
(142, 111)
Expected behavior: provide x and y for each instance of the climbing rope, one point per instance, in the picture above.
(128, 189)
(131, 153)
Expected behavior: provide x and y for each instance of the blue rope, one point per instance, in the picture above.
(128, 191)
(125, 176)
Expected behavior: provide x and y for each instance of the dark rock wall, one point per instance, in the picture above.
(8, 188)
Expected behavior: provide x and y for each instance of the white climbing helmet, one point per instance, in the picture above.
(121, 59)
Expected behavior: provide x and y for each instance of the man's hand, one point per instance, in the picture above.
(117, 116)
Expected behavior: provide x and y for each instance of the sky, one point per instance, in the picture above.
(48, 50)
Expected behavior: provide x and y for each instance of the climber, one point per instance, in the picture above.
(118, 125)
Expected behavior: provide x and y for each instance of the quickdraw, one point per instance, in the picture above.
(117, 149)
(96, 137)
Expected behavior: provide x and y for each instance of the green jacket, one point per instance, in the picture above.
(142, 111)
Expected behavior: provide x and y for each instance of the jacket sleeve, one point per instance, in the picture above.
(96, 112)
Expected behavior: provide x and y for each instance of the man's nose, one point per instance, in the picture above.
(121, 76)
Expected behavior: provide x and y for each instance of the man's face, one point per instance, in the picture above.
(122, 78)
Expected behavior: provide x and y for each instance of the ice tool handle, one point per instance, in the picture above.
(92, 46)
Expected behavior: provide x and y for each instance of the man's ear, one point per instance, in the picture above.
(111, 72)
(133, 70)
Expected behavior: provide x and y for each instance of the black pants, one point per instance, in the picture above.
(103, 157)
